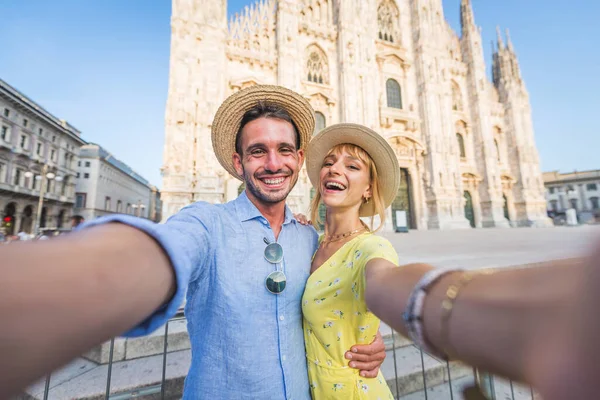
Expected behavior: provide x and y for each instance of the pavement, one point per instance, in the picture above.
(482, 248)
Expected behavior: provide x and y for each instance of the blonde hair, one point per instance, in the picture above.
(376, 194)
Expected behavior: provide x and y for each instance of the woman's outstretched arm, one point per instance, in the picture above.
(498, 322)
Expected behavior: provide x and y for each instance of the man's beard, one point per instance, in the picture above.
(269, 198)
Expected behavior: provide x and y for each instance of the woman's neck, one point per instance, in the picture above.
(341, 221)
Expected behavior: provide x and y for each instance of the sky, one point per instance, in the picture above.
(103, 66)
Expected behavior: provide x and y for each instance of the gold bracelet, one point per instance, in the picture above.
(448, 305)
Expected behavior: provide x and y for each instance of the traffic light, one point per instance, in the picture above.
(7, 221)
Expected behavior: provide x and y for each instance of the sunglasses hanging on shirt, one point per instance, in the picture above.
(276, 280)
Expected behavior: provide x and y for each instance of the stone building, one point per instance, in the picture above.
(579, 190)
(465, 143)
(107, 185)
(35, 145)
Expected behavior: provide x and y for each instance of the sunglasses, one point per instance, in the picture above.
(276, 280)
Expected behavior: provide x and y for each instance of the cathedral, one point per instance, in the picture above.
(465, 143)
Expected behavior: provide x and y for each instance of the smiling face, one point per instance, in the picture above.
(345, 178)
(270, 162)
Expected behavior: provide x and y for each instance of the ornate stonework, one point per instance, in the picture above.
(465, 144)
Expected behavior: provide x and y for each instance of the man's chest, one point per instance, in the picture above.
(238, 271)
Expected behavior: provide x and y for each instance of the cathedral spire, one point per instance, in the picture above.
(508, 41)
(499, 38)
(466, 14)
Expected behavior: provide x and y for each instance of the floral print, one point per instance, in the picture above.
(337, 318)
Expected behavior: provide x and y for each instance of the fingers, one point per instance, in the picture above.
(368, 368)
(372, 373)
(365, 358)
(301, 218)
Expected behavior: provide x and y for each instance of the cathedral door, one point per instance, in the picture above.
(402, 202)
(469, 213)
(506, 214)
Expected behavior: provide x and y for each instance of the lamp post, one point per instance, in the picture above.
(48, 177)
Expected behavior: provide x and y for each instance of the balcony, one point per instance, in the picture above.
(394, 118)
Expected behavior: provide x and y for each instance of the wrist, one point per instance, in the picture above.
(432, 310)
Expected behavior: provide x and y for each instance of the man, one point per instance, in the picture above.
(243, 303)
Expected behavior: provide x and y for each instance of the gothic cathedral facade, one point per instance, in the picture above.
(465, 144)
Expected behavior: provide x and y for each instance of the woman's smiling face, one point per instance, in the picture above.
(345, 179)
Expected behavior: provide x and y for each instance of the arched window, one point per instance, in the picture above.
(320, 122)
(457, 104)
(394, 96)
(387, 17)
(317, 69)
(461, 145)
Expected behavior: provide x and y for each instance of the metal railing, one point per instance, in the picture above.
(450, 388)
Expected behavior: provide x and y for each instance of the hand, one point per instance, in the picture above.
(301, 218)
(367, 357)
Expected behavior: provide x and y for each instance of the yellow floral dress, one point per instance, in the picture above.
(336, 318)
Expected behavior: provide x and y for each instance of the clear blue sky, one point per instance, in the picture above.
(103, 66)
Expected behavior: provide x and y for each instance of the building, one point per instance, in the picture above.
(106, 185)
(36, 148)
(155, 213)
(579, 190)
(465, 143)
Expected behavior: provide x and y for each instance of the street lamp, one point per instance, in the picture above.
(49, 176)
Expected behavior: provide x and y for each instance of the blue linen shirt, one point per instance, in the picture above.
(246, 342)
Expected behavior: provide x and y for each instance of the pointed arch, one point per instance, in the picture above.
(388, 17)
(457, 101)
(317, 66)
(320, 122)
(461, 145)
(499, 143)
(394, 94)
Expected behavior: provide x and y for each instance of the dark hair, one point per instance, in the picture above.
(264, 110)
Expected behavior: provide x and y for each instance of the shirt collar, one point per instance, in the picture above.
(246, 210)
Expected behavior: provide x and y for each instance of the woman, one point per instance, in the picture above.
(356, 174)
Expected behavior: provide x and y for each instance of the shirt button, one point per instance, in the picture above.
(283, 358)
(281, 317)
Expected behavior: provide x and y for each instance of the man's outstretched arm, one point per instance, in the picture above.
(58, 298)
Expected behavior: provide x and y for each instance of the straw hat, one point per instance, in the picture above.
(370, 141)
(229, 116)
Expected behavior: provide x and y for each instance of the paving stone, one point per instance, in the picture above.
(503, 391)
(70, 371)
(128, 375)
(404, 369)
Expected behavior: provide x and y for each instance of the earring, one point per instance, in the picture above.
(367, 200)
